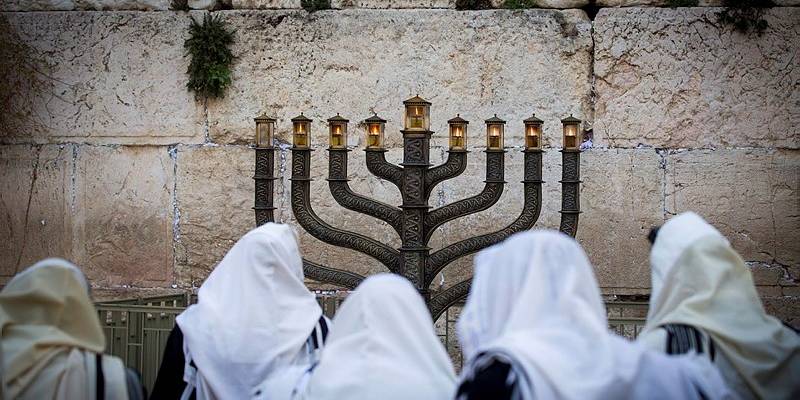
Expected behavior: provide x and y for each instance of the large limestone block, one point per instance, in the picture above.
(70, 5)
(124, 215)
(393, 4)
(35, 205)
(97, 77)
(37, 5)
(621, 199)
(751, 196)
(475, 64)
(214, 198)
(267, 4)
(675, 78)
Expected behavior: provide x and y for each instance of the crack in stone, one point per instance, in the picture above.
(28, 207)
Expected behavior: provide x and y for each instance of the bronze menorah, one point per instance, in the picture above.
(414, 220)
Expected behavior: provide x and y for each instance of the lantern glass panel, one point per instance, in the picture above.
(458, 136)
(571, 139)
(494, 136)
(374, 135)
(338, 131)
(264, 133)
(302, 129)
(418, 117)
(533, 136)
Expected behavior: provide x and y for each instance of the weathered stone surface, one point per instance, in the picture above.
(202, 4)
(751, 196)
(621, 199)
(653, 3)
(475, 63)
(736, 90)
(786, 308)
(123, 215)
(267, 4)
(37, 5)
(70, 5)
(215, 199)
(35, 205)
(393, 4)
(107, 77)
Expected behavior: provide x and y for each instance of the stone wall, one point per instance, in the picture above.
(107, 159)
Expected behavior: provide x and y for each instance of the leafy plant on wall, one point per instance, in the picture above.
(519, 4)
(209, 46)
(315, 5)
(745, 15)
(473, 4)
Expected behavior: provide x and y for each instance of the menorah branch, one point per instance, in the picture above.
(307, 218)
(341, 192)
(264, 184)
(570, 191)
(492, 190)
(454, 166)
(527, 218)
(448, 297)
(334, 276)
(378, 166)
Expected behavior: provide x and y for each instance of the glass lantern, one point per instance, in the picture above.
(302, 131)
(265, 129)
(458, 133)
(533, 133)
(572, 133)
(338, 132)
(418, 114)
(374, 126)
(494, 133)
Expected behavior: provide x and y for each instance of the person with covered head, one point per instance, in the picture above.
(534, 327)
(382, 346)
(51, 341)
(254, 317)
(704, 300)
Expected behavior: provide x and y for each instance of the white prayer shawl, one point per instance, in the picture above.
(699, 280)
(253, 316)
(534, 302)
(382, 346)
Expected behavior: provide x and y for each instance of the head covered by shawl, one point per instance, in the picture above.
(46, 313)
(534, 301)
(383, 346)
(253, 315)
(699, 280)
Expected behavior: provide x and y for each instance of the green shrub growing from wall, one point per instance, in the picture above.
(518, 4)
(473, 4)
(209, 46)
(745, 15)
(682, 3)
(315, 5)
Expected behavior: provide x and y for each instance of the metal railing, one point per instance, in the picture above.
(137, 330)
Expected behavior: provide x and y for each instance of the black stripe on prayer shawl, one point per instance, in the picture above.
(100, 389)
(683, 338)
(321, 330)
(324, 326)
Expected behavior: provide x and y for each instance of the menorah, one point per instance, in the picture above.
(414, 220)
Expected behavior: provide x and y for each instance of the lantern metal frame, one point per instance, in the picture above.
(414, 220)
(301, 120)
(333, 123)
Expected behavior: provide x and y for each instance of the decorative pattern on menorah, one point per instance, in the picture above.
(414, 220)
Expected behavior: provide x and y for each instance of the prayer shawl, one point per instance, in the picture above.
(382, 346)
(51, 337)
(699, 280)
(534, 303)
(253, 317)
